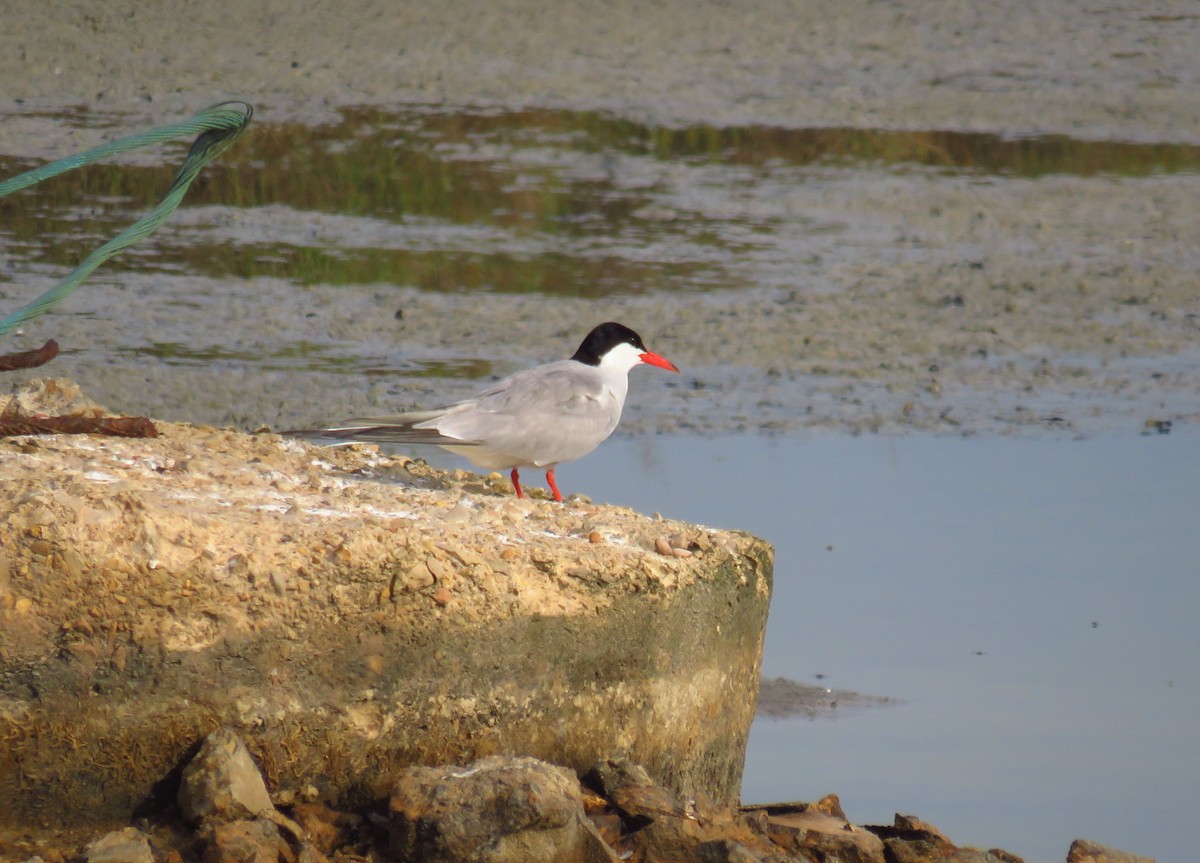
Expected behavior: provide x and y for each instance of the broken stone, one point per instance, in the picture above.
(635, 798)
(1083, 851)
(418, 576)
(222, 782)
(324, 827)
(497, 810)
(309, 854)
(922, 851)
(820, 831)
(831, 804)
(727, 851)
(121, 846)
(660, 826)
(244, 842)
(613, 773)
(911, 840)
(52, 397)
(698, 830)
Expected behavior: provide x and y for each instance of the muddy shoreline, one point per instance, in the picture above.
(1063, 303)
(1087, 70)
(979, 307)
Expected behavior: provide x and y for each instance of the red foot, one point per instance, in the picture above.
(516, 481)
(553, 485)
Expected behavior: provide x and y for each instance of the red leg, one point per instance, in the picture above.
(553, 485)
(517, 483)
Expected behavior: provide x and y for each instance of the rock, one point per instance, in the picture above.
(1083, 851)
(51, 397)
(152, 602)
(921, 851)
(497, 810)
(830, 804)
(222, 781)
(849, 843)
(121, 846)
(503, 810)
(309, 854)
(644, 803)
(820, 831)
(669, 840)
(727, 851)
(697, 831)
(661, 826)
(255, 841)
(910, 840)
(632, 792)
(611, 774)
(324, 827)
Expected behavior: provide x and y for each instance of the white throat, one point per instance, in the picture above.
(620, 358)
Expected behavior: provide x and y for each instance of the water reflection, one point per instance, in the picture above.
(578, 203)
(781, 698)
(322, 357)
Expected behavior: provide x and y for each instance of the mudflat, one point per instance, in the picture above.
(1065, 298)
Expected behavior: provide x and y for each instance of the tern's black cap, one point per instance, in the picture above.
(603, 339)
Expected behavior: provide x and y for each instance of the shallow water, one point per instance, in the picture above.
(1033, 604)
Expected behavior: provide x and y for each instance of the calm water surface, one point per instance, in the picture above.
(1034, 604)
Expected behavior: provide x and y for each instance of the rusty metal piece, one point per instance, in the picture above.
(77, 424)
(29, 359)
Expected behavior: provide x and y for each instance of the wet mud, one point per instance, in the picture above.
(860, 280)
(932, 218)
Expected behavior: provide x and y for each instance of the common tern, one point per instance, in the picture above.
(539, 417)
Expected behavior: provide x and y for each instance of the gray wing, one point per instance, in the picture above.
(398, 428)
(541, 416)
